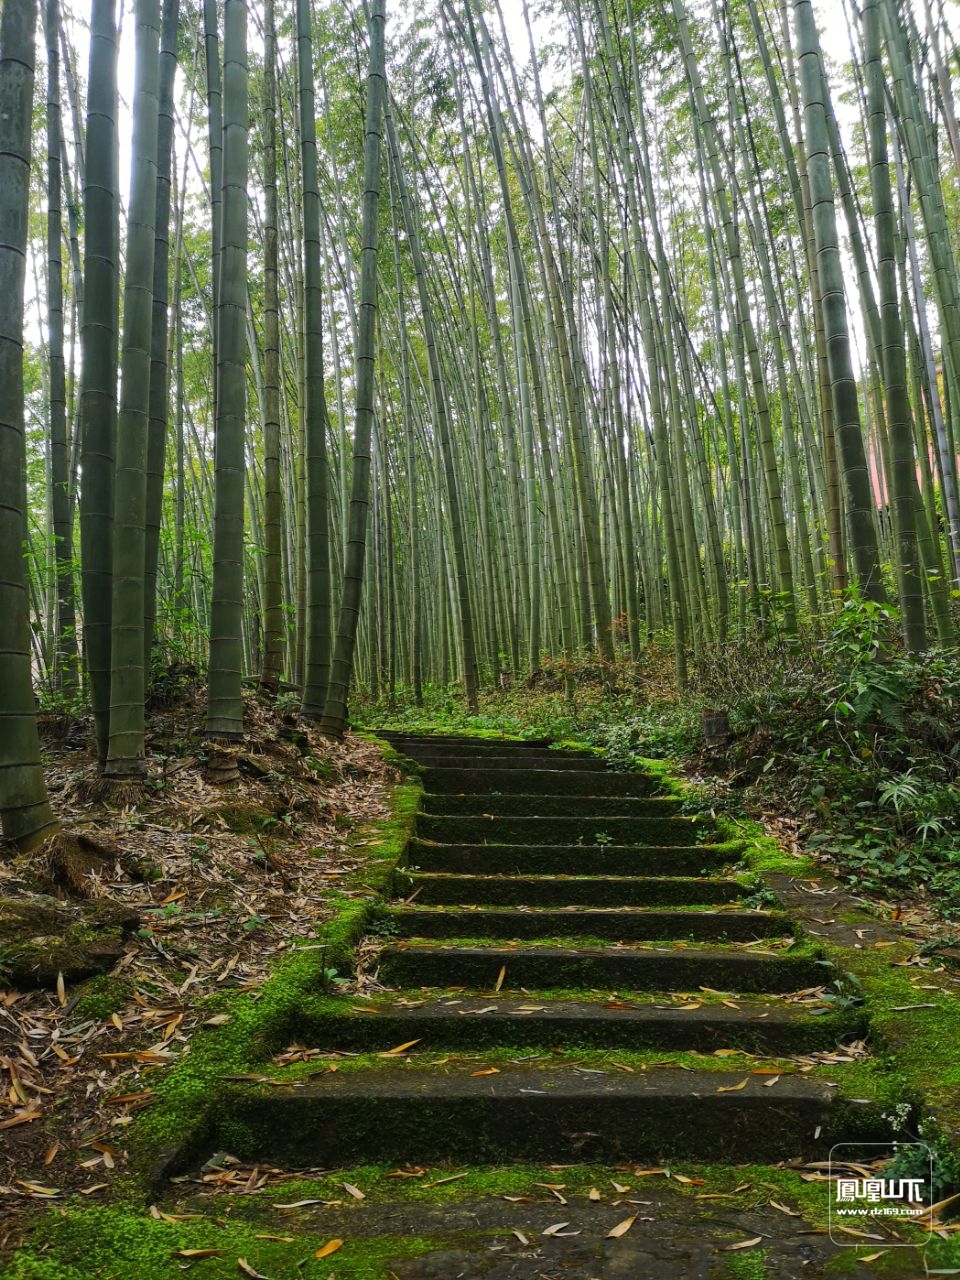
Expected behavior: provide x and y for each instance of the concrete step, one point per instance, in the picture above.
(589, 832)
(522, 757)
(537, 891)
(564, 859)
(548, 761)
(554, 1115)
(621, 924)
(544, 806)
(607, 968)
(443, 741)
(460, 1021)
(486, 777)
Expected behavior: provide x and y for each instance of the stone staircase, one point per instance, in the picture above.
(568, 974)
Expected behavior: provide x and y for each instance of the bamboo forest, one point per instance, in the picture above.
(479, 547)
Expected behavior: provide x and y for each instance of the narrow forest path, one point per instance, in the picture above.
(574, 973)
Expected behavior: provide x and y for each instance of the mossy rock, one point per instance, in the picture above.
(41, 938)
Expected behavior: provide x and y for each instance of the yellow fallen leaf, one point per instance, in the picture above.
(400, 1048)
(117, 1021)
(487, 1071)
(594, 1194)
(768, 1084)
(872, 1257)
(621, 1228)
(353, 1191)
(197, 1253)
(278, 1239)
(734, 1088)
(742, 1244)
(330, 1247)
(61, 990)
(500, 977)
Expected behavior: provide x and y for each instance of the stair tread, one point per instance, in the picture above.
(466, 877)
(549, 950)
(697, 909)
(458, 1080)
(547, 1008)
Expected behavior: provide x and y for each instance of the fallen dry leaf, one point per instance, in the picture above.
(742, 1244)
(244, 1266)
(400, 1048)
(734, 1088)
(330, 1247)
(454, 1177)
(621, 1228)
(353, 1191)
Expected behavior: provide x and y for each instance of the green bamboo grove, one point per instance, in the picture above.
(352, 349)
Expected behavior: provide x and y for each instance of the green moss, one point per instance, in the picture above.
(115, 1244)
(102, 996)
(743, 1266)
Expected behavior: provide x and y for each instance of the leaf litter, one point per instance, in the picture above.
(208, 892)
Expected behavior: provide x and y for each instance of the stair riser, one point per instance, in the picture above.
(296, 1131)
(677, 1032)
(581, 892)
(635, 831)
(544, 806)
(692, 860)
(609, 971)
(483, 779)
(652, 926)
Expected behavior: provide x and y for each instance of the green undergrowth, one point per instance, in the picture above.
(259, 1021)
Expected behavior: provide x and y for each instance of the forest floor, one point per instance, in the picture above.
(224, 882)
